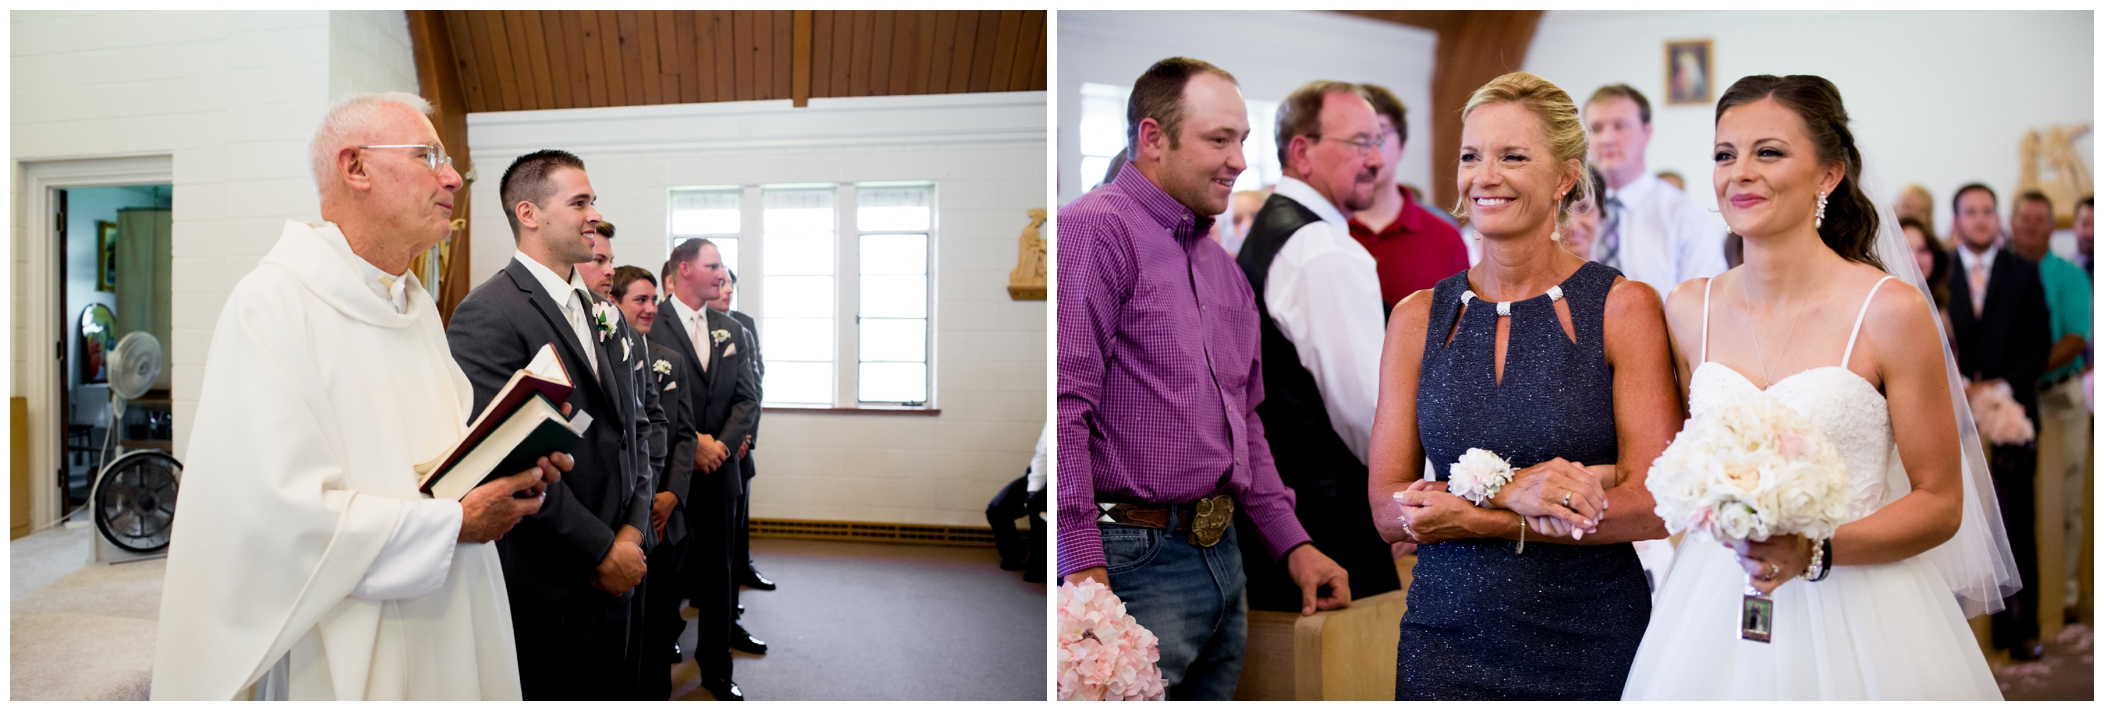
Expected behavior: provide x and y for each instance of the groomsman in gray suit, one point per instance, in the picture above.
(724, 404)
(571, 570)
(741, 555)
(665, 372)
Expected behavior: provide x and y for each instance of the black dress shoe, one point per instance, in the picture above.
(724, 689)
(743, 641)
(676, 656)
(741, 609)
(753, 579)
(2029, 651)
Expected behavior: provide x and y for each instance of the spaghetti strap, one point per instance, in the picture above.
(1860, 313)
(1705, 319)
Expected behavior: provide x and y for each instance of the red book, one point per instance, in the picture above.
(544, 375)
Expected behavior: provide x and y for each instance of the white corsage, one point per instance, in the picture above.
(605, 317)
(1478, 475)
(718, 336)
(662, 367)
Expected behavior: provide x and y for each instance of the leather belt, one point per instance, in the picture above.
(1206, 519)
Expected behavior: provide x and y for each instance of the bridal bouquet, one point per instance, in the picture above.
(1749, 471)
(1998, 415)
(1104, 654)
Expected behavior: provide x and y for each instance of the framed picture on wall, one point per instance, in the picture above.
(106, 265)
(1689, 73)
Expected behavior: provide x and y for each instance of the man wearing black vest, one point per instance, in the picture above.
(571, 570)
(1319, 299)
(2001, 330)
(723, 404)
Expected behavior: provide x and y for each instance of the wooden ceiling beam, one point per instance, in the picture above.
(438, 79)
(800, 51)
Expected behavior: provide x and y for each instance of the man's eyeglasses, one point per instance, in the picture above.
(1362, 144)
(434, 154)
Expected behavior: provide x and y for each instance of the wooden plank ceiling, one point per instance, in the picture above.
(518, 60)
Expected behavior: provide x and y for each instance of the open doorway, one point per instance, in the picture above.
(115, 275)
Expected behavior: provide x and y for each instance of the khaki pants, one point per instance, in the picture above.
(2061, 408)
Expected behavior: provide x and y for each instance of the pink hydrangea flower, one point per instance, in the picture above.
(1104, 654)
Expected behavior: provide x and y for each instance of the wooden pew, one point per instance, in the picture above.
(1346, 654)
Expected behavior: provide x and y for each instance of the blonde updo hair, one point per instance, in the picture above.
(1559, 120)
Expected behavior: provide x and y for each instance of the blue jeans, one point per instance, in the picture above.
(1190, 597)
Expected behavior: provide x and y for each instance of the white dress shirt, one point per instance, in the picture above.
(697, 325)
(573, 304)
(1325, 296)
(1665, 238)
(419, 552)
(1967, 260)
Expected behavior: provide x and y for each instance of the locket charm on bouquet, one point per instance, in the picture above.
(1756, 615)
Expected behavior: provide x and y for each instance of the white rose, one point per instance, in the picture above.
(1737, 521)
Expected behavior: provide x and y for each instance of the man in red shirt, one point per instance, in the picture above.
(1412, 248)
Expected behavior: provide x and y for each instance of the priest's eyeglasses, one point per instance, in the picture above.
(434, 154)
(1363, 144)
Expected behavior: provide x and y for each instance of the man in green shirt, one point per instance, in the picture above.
(2061, 405)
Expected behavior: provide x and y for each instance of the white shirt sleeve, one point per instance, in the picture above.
(1325, 296)
(1698, 241)
(418, 554)
(1035, 481)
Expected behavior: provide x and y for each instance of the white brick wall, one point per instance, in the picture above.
(231, 96)
(986, 154)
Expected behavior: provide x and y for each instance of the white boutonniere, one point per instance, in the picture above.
(662, 367)
(605, 318)
(718, 336)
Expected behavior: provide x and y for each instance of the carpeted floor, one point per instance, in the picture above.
(852, 621)
(876, 621)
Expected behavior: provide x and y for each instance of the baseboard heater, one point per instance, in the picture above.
(970, 536)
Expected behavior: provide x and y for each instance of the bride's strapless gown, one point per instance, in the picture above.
(1891, 631)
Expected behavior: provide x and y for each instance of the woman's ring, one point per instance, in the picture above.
(1773, 570)
(1566, 499)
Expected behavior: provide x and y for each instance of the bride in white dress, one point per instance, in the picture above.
(1813, 320)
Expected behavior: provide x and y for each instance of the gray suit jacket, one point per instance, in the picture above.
(759, 370)
(677, 443)
(550, 556)
(726, 403)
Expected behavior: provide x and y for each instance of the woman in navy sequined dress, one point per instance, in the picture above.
(1559, 366)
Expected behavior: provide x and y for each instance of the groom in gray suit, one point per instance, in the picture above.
(724, 407)
(571, 570)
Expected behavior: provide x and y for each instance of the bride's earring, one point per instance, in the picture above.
(1820, 218)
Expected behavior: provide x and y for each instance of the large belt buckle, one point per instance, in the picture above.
(1214, 515)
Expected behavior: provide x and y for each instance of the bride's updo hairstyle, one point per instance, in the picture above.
(1559, 123)
(1851, 224)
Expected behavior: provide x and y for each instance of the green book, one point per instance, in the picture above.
(535, 429)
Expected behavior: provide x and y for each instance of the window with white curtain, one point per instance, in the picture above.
(892, 319)
(1102, 131)
(840, 284)
(797, 233)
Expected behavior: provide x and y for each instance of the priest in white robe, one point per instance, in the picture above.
(304, 563)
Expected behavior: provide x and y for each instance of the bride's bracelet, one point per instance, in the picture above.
(1822, 561)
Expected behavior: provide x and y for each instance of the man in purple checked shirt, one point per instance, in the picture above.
(1158, 438)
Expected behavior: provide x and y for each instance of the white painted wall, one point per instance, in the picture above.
(1938, 98)
(986, 155)
(1270, 54)
(231, 97)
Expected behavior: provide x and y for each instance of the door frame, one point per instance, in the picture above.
(40, 380)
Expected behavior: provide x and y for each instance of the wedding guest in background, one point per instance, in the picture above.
(1916, 202)
(304, 543)
(741, 552)
(1583, 227)
(1243, 210)
(636, 292)
(2085, 235)
(723, 403)
(1671, 178)
(2061, 405)
(1159, 375)
(571, 570)
(1318, 295)
(1488, 619)
(1934, 263)
(1024, 497)
(1412, 248)
(1651, 232)
(2002, 330)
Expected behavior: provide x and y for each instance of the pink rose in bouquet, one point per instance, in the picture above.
(1998, 415)
(1104, 654)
